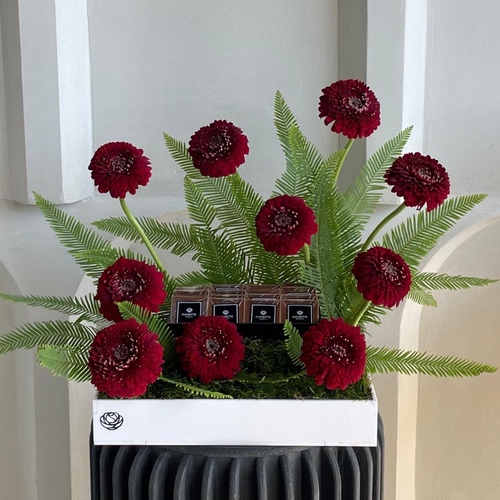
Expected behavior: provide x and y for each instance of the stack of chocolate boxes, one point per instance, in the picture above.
(257, 304)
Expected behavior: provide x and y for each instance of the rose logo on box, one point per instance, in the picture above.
(111, 420)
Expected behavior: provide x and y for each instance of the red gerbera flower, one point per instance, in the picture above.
(119, 168)
(334, 353)
(210, 348)
(285, 224)
(124, 359)
(218, 149)
(133, 281)
(383, 276)
(352, 107)
(419, 180)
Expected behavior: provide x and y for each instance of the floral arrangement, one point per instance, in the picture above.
(123, 338)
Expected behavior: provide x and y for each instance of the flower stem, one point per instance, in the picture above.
(342, 158)
(142, 235)
(381, 224)
(359, 313)
(307, 254)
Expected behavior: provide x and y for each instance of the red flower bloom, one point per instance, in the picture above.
(285, 224)
(419, 180)
(383, 276)
(352, 107)
(119, 168)
(210, 348)
(218, 149)
(124, 359)
(334, 353)
(129, 280)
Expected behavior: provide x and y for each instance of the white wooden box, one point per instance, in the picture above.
(237, 422)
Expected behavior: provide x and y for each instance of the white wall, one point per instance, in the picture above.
(462, 98)
(166, 66)
(458, 429)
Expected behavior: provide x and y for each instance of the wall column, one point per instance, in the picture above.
(46, 109)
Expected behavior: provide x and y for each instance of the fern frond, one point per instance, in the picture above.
(85, 307)
(117, 226)
(200, 210)
(54, 333)
(419, 234)
(73, 234)
(422, 297)
(65, 362)
(179, 152)
(195, 390)
(293, 344)
(155, 324)
(283, 122)
(173, 236)
(384, 360)
(436, 281)
(221, 260)
(333, 248)
(303, 164)
(193, 278)
(364, 194)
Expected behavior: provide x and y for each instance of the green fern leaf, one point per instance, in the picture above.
(85, 307)
(117, 226)
(333, 248)
(221, 260)
(74, 235)
(200, 210)
(302, 166)
(293, 344)
(179, 152)
(384, 360)
(65, 362)
(362, 197)
(54, 333)
(197, 391)
(422, 297)
(284, 121)
(435, 281)
(173, 236)
(193, 278)
(419, 234)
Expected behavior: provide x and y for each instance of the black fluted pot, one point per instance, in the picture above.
(237, 473)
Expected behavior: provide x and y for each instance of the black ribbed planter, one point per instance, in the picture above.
(237, 473)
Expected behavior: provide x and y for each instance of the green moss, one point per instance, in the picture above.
(267, 373)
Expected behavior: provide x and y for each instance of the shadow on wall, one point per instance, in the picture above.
(449, 429)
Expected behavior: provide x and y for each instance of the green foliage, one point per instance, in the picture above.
(436, 281)
(414, 238)
(334, 246)
(74, 235)
(293, 344)
(362, 197)
(195, 390)
(86, 308)
(424, 283)
(384, 360)
(53, 333)
(65, 362)
(176, 237)
(422, 297)
(179, 152)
